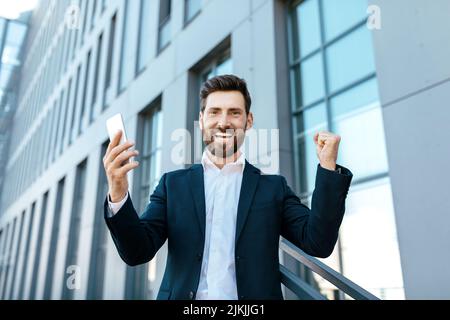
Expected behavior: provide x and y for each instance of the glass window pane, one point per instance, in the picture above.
(2, 25)
(296, 100)
(147, 136)
(224, 67)
(208, 75)
(5, 76)
(154, 134)
(308, 26)
(112, 35)
(11, 55)
(192, 7)
(369, 240)
(155, 169)
(165, 6)
(219, 67)
(145, 197)
(164, 34)
(144, 36)
(350, 59)
(358, 97)
(96, 75)
(145, 170)
(129, 44)
(310, 121)
(153, 160)
(159, 132)
(310, 83)
(357, 117)
(16, 33)
(339, 16)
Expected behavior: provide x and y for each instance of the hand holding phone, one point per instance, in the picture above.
(117, 158)
(114, 124)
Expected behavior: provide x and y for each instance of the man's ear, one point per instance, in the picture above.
(200, 120)
(249, 120)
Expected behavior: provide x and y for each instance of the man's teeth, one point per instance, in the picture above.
(223, 135)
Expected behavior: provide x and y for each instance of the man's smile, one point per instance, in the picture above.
(222, 136)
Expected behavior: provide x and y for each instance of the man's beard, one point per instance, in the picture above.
(224, 151)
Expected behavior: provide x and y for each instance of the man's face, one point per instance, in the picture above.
(224, 122)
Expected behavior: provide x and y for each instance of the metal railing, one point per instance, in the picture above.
(306, 291)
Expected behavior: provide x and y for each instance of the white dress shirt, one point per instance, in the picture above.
(222, 189)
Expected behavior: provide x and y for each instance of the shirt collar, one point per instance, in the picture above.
(207, 163)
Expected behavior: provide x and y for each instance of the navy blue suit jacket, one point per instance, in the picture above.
(267, 209)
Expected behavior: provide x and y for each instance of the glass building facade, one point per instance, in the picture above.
(334, 88)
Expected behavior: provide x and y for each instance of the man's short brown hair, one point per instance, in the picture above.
(227, 82)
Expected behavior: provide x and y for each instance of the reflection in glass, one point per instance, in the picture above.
(151, 155)
(192, 7)
(95, 84)
(357, 117)
(2, 25)
(370, 250)
(5, 75)
(16, 33)
(128, 54)
(224, 67)
(107, 88)
(350, 59)
(164, 34)
(308, 27)
(308, 123)
(309, 81)
(144, 35)
(218, 67)
(358, 97)
(367, 250)
(312, 119)
(339, 16)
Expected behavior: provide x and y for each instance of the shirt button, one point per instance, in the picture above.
(238, 258)
(191, 295)
(199, 256)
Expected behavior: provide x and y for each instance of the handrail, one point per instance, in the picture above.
(334, 277)
(300, 287)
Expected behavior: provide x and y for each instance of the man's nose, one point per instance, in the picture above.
(223, 121)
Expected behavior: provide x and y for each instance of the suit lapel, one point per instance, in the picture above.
(197, 187)
(250, 180)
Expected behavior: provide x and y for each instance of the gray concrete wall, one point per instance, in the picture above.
(412, 60)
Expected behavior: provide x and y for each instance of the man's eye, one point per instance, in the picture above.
(236, 113)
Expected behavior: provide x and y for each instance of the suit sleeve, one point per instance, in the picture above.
(137, 239)
(316, 230)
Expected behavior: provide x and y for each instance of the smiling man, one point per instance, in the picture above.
(223, 218)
